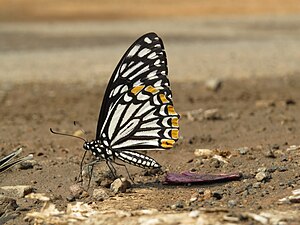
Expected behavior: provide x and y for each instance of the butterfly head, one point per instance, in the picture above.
(95, 146)
(86, 145)
(90, 145)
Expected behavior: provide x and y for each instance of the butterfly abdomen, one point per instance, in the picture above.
(137, 159)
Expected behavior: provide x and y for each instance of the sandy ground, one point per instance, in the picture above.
(260, 114)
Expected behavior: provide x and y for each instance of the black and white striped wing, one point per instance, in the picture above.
(137, 112)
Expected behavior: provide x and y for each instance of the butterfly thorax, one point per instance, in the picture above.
(98, 149)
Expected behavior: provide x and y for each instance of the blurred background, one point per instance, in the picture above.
(82, 41)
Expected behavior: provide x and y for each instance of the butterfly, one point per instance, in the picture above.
(137, 112)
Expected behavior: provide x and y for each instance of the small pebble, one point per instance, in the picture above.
(177, 205)
(231, 203)
(262, 169)
(207, 194)
(28, 164)
(282, 168)
(194, 213)
(204, 153)
(212, 114)
(269, 153)
(149, 221)
(215, 163)
(100, 194)
(243, 150)
(262, 176)
(201, 191)
(272, 169)
(71, 198)
(194, 197)
(76, 190)
(18, 191)
(257, 185)
(213, 84)
(120, 185)
(284, 158)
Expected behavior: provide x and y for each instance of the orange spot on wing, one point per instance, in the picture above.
(151, 89)
(163, 98)
(171, 110)
(175, 134)
(137, 89)
(166, 143)
(175, 122)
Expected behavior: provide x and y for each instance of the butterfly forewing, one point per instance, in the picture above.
(137, 112)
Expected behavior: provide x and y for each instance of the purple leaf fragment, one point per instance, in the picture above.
(188, 177)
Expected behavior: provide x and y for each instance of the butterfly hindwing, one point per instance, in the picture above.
(137, 112)
(148, 121)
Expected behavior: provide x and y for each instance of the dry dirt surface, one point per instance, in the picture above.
(250, 123)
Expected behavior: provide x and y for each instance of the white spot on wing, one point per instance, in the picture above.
(130, 111)
(147, 40)
(145, 69)
(123, 67)
(129, 71)
(125, 88)
(152, 124)
(114, 120)
(150, 115)
(129, 143)
(142, 97)
(157, 84)
(155, 100)
(153, 55)
(153, 73)
(116, 90)
(146, 107)
(129, 127)
(127, 98)
(133, 50)
(148, 133)
(144, 52)
(157, 62)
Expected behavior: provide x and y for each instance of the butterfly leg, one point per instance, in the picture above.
(130, 177)
(90, 175)
(90, 169)
(111, 168)
(81, 165)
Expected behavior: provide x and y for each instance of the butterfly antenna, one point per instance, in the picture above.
(69, 135)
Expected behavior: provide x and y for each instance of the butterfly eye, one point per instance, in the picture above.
(85, 146)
